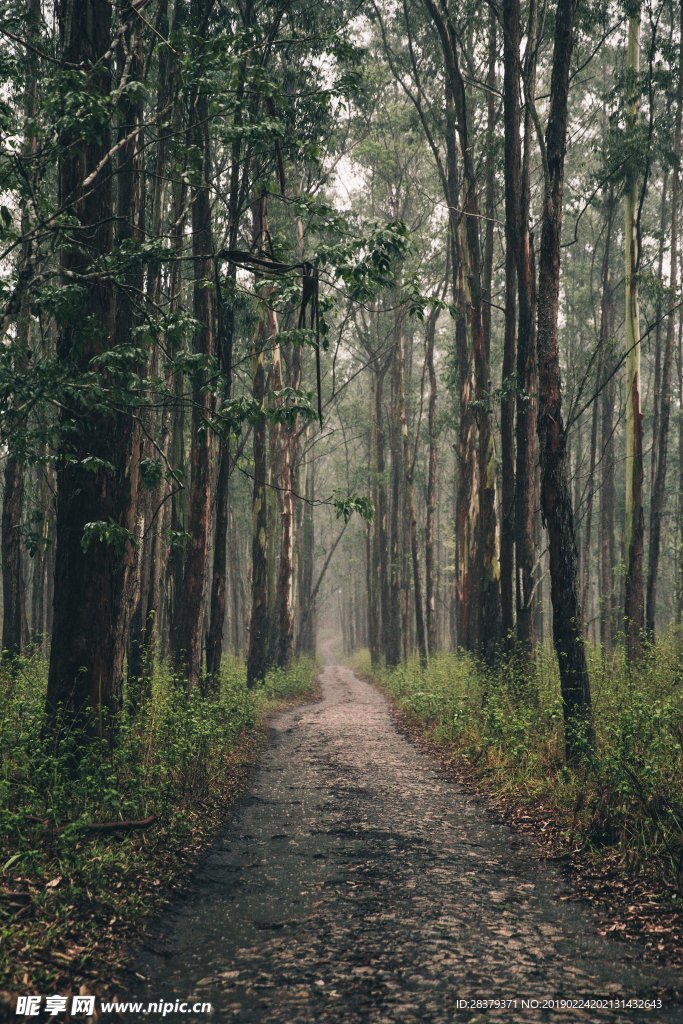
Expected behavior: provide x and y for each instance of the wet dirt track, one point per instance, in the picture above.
(356, 884)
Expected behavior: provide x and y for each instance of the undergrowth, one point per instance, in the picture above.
(626, 797)
(178, 758)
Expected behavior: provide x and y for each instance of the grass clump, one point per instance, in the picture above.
(625, 797)
(179, 757)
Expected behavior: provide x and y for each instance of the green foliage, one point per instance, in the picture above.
(348, 504)
(628, 795)
(174, 756)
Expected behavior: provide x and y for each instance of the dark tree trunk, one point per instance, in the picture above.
(258, 657)
(92, 569)
(556, 500)
(526, 489)
(12, 572)
(188, 651)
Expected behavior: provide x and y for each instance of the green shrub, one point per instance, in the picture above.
(176, 758)
(628, 793)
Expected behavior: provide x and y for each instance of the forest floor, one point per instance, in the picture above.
(358, 882)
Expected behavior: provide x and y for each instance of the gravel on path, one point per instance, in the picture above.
(357, 884)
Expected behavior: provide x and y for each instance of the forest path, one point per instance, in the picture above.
(357, 884)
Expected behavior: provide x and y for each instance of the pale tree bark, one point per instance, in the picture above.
(420, 633)
(660, 442)
(527, 592)
(513, 241)
(394, 631)
(431, 574)
(604, 409)
(634, 528)
(556, 500)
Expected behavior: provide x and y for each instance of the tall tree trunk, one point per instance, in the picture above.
(431, 575)
(661, 442)
(555, 493)
(92, 568)
(420, 633)
(634, 616)
(12, 571)
(13, 495)
(513, 243)
(130, 227)
(527, 591)
(487, 539)
(663, 219)
(381, 534)
(306, 632)
(188, 652)
(259, 629)
(394, 632)
(602, 411)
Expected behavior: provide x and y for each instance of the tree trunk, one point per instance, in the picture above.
(420, 633)
(661, 442)
(394, 632)
(431, 575)
(92, 569)
(634, 617)
(13, 592)
(12, 572)
(527, 593)
(259, 625)
(555, 493)
(513, 241)
(306, 632)
(188, 652)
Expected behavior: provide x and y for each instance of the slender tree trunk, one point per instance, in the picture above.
(306, 633)
(214, 637)
(513, 242)
(527, 525)
(259, 625)
(188, 654)
(130, 227)
(634, 618)
(12, 572)
(555, 493)
(420, 633)
(431, 575)
(381, 535)
(13, 593)
(394, 632)
(663, 218)
(602, 410)
(661, 442)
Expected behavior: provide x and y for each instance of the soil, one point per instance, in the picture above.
(357, 882)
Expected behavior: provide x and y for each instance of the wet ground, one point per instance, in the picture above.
(357, 884)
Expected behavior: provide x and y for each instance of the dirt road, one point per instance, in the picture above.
(356, 884)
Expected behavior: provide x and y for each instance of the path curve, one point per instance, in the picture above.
(357, 884)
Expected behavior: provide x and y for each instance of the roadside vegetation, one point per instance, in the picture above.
(90, 845)
(622, 799)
